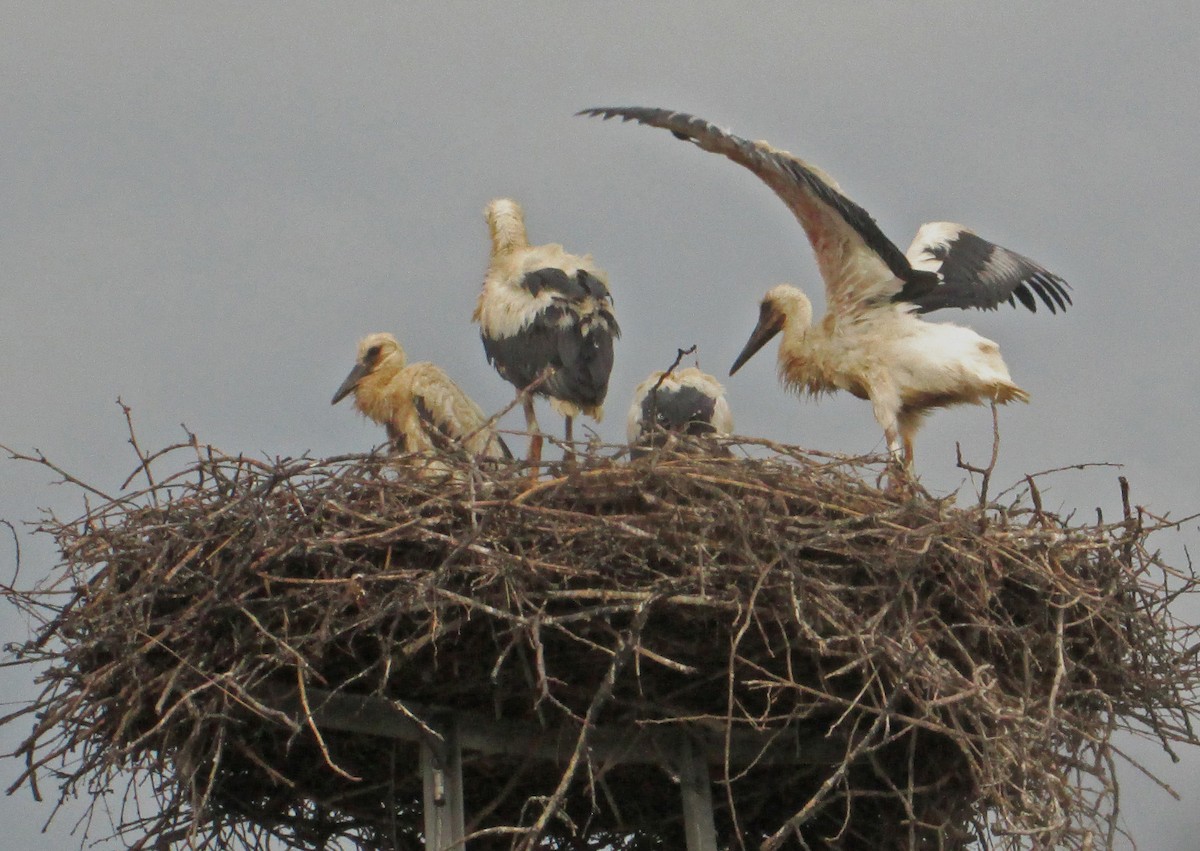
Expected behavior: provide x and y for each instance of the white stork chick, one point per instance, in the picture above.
(685, 403)
(872, 341)
(422, 409)
(540, 308)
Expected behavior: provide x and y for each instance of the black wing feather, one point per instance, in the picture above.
(973, 272)
(570, 288)
(572, 335)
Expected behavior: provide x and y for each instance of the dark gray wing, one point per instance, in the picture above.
(574, 334)
(569, 287)
(972, 272)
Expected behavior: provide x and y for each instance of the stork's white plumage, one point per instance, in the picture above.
(871, 341)
(422, 409)
(541, 308)
(685, 403)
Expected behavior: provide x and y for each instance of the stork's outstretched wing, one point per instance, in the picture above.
(857, 261)
(972, 272)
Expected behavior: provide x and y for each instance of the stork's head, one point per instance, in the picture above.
(375, 351)
(506, 225)
(782, 307)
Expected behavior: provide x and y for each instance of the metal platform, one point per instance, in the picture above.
(442, 734)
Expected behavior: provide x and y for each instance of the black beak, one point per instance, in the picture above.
(768, 326)
(355, 376)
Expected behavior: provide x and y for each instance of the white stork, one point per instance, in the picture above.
(683, 403)
(871, 340)
(422, 409)
(541, 308)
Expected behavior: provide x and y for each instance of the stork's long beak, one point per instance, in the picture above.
(355, 376)
(768, 326)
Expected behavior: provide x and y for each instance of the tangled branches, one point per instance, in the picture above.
(860, 668)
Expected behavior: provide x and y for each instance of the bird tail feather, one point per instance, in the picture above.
(1006, 393)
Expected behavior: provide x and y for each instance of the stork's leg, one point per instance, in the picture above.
(534, 458)
(895, 447)
(569, 446)
(900, 458)
(897, 469)
(909, 421)
(888, 413)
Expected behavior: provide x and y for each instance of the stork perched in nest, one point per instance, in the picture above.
(544, 309)
(872, 341)
(684, 403)
(422, 409)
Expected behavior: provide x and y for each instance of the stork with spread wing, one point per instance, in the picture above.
(872, 340)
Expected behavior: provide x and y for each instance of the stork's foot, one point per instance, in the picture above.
(899, 479)
(901, 483)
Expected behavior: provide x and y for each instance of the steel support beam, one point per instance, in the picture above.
(696, 788)
(441, 772)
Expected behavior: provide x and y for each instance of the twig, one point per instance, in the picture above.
(984, 472)
(17, 561)
(619, 660)
(41, 459)
(793, 824)
(143, 461)
(523, 394)
(312, 725)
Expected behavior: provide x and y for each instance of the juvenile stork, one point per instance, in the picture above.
(684, 403)
(422, 409)
(541, 308)
(872, 341)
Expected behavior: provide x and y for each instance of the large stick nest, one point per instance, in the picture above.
(952, 675)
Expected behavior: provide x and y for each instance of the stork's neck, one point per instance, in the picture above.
(507, 227)
(795, 331)
(797, 325)
(802, 354)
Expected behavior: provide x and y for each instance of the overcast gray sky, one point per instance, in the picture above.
(205, 205)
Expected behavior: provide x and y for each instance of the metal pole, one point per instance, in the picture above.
(441, 773)
(694, 783)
